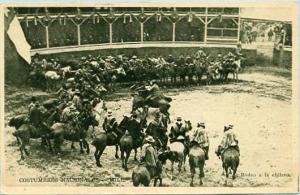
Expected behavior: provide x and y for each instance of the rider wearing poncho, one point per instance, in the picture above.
(156, 129)
(229, 140)
(149, 155)
(110, 124)
(201, 137)
(177, 130)
(134, 128)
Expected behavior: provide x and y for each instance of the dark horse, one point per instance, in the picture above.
(128, 142)
(141, 175)
(230, 160)
(104, 139)
(196, 160)
(163, 103)
(61, 131)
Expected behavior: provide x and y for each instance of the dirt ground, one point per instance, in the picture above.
(259, 107)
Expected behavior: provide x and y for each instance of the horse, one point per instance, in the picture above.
(200, 69)
(230, 160)
(27, 131)
(17, 122)
(230, 66)
(61, 131)
(141, 175)
(176, 152)
(52, 79)
(196, 160)
(129, 142)
(172, 72)
(103, 139)
(162, 103)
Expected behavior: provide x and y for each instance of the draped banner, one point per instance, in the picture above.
(17, 36)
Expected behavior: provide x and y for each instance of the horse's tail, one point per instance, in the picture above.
(135, 179)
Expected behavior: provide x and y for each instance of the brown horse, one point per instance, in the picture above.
(61, 131)
(196, 160)
(141, 175)
(230, 160)
(103, 139)
(26, 131)
(128, 142)
(162, 103)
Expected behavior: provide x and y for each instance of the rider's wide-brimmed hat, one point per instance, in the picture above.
(179, 118)
(109, 112)
(134, 57)
(149, 139)
(201, 124)
(134, 114)
(230, 126)
(157, 115)
(180, 138)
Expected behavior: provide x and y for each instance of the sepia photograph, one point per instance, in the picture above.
(183, 97)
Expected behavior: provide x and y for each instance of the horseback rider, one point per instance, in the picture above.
(77, 100)
(36, 118)
(201, 137)
(176, 130)
(156, 129)
(229, 140)
(149, 155)
(135, 129)
(110, 124)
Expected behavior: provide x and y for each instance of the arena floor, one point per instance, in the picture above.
(259, 106)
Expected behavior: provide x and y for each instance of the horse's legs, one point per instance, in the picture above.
(81, 146)
(87, 146)
(122, 158)
(96, 157)
(49, 144)
(117, 149)
(201, 173)
(155, 181)
(172, 170)
(126, 159)
(192, 176)
(160, 181)
(72, 146)
(100, 151)
(226, 171)
(135, 153)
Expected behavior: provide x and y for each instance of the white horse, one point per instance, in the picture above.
(52, 80)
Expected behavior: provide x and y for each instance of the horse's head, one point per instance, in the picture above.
(163, 156)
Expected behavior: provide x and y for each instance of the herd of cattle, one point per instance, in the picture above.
(180, 71)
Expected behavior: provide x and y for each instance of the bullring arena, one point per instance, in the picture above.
(109, 57)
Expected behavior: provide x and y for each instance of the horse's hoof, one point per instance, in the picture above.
(126, 169)
(135, 159)
(117, 156)
(191, 184)
(99, 165)
(81, 152)
(201, 183)
(160, 184)
(87, 151)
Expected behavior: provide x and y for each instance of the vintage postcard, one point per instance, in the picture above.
(146, 98)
